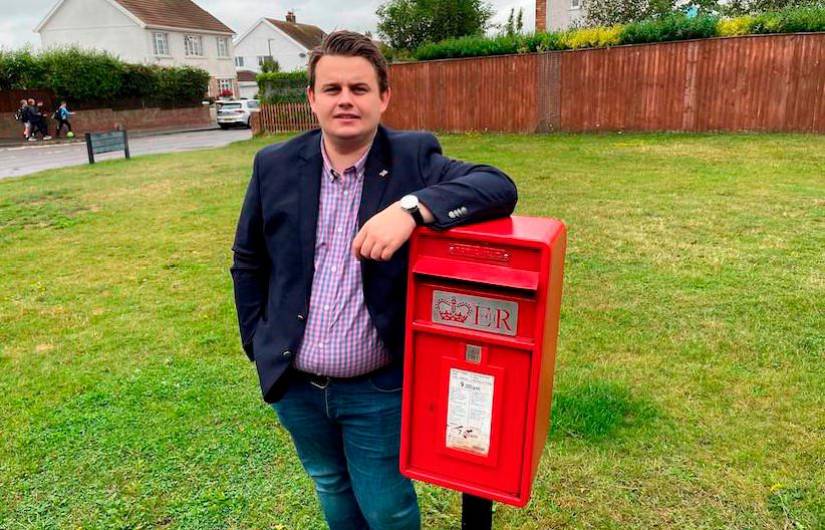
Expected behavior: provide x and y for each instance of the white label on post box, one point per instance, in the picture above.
(475, 312)
(469, 411)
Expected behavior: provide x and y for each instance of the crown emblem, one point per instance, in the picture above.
(453, 311)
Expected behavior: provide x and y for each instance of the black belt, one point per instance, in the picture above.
(323, 381)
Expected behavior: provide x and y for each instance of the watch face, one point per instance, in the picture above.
(408, 202)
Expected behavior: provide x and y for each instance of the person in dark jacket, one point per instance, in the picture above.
(22, 115)
(320, 266)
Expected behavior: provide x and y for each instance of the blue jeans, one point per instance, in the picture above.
(347, 436)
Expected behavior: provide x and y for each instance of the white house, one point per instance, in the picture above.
(285, 41)
(554, 15)
(162, 32)
(248, 84)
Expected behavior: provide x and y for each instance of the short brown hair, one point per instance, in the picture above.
(350, 44)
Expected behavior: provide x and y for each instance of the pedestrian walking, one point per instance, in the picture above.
(38, 121)
(22, 115)
(62, 116)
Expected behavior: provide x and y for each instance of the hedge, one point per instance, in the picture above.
(673, 27)
(87, 78)
(283, 87)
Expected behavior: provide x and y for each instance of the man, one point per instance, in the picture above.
(320, 266)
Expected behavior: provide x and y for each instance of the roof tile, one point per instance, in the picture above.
(307, 35)
(184, 14)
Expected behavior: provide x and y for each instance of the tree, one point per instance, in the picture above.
(407, 24)
(744, 7)
(270, 65)
(515, 23)
(611, 12)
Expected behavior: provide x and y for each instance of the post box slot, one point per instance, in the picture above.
(482, 273)
(488, 289)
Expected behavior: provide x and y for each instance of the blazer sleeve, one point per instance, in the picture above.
(251, 264)
(457, 192)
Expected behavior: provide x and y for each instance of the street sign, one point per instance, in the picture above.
(107, 142)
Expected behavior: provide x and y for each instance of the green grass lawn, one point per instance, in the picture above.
(690, 382)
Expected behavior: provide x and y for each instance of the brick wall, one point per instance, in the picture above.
(541, 15)
(84, 121)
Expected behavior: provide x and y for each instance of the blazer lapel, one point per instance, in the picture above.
(376, 177)
(309, 184)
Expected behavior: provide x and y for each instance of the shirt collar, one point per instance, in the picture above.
(358, 167)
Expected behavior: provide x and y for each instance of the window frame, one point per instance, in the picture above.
(223, 53)
(165, 42)
(192, 44)
(239, 61)
(229, 86)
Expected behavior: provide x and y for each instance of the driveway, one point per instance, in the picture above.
(34, 157)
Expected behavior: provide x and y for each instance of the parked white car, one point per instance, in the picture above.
(237, 112)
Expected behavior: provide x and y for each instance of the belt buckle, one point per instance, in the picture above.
(318, 385)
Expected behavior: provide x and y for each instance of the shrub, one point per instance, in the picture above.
(82, 75)
(182, 85)
(20, 69)
(283, 87)
(730, 27)
(597, 37)
(804, 19)
(673, 27)
(138, 81)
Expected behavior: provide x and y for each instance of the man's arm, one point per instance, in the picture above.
(251, 265)
(456, 193)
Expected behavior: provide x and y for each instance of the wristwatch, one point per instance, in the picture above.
(409, 203)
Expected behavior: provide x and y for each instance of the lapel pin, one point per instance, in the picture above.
(383, 173)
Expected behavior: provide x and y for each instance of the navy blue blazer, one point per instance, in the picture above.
(275, 240)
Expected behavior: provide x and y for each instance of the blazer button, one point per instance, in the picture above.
(301, 317)
(287, 354)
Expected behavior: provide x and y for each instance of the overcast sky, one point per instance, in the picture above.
(18, 18)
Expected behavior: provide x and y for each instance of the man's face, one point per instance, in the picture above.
(346, 98)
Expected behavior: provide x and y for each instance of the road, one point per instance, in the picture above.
(34, 157)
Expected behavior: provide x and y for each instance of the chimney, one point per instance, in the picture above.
(541, 15)
(290, 16)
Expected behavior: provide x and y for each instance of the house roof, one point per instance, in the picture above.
(306, 35)
(247, 75)
(184, 14)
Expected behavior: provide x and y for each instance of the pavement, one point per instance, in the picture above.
(32, 157)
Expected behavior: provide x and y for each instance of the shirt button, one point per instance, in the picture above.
(340, 229)
(346, 192)
(332, 268)
(326, 308)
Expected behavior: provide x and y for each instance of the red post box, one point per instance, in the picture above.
(482, 322)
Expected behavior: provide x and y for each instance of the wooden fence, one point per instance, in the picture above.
(284, 117)
(10, 99)
(754, 83)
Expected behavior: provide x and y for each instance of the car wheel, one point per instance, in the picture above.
(249, 123)
(223, 126)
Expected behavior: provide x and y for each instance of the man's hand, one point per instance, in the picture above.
(384, 233)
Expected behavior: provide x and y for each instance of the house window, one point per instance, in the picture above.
(226, 84)
(161, 43)
(263, 58)
(193, 45)
(223, 47)
(575, 4)
(239, 61)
